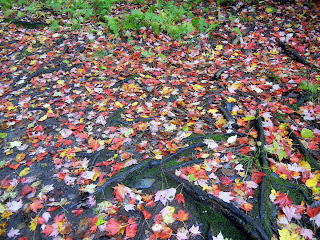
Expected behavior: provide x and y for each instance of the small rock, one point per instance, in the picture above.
(144, 183)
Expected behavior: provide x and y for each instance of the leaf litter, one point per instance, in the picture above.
(72, 118)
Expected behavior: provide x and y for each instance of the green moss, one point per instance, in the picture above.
(214, 221)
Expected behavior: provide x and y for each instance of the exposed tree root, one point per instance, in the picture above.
(43, 71)
(233, 213)
(287, 50)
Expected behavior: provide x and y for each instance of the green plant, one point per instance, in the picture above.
(278, 150)
(314, 88)
(248, 161)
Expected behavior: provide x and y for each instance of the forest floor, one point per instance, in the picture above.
(145, 136)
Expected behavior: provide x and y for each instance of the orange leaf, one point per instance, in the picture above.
(181, 216)
(36, 205)
(246, 206)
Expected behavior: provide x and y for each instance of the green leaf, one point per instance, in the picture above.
(282, 154)
(100, 221)
(249, 118)
(237, 30)
(307, 133)
(15, 144)
(3, 135)
(20, 14)
(129, 132)
(2, 163)
(275, 144)
(191, 177)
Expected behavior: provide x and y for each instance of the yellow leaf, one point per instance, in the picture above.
(269, 10)
(60, 82)
(135, 104)
(310, 183)
(197, 87)
(43, 118)
(219, 47)
(6, 214)
(305, 165)
(274, 51)
(24, 172)
(205, 155)
(213, 110)
(12, 69)
(236, 85)
(33, 62)
(33, 224)
(231, 100)
(248, 118)
(129, 119)
(118, 104)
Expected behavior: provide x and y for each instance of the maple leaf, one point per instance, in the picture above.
(312, 212)
(226, 196)
(218, 237)
(131, 228)
(290, 212)
(36, 205)
(257, 177)
(13, 233)
(182, 234)
(181, 216)
(165, 195)
(120, 192)
(179, 197)
(194, 230)
(306, 233)
(48, 229)
(211, 143)
(14, 206)
(77, 211)
(146, 214)
(283, 200)
(246, 206)
(113, 226)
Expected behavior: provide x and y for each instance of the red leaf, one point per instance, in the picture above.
(26, 190)
(77, 211)
(146, 214)
(52, 209)
(179, 197)
(283, 200)
(58, 218)
(113, 227)
(312, 212)
(257, 177)
(225, 180)
(131, 228)
(47, 230)
(120, 191)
